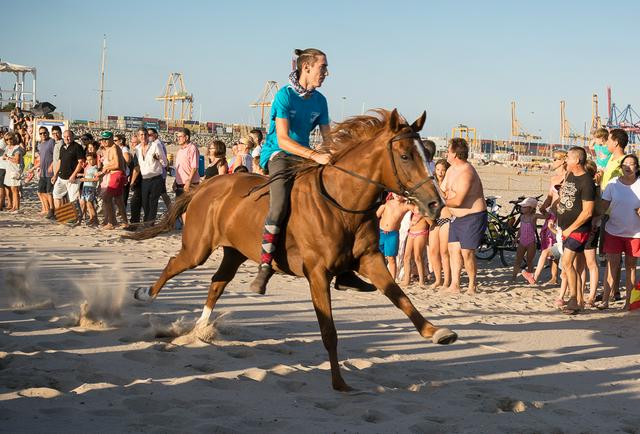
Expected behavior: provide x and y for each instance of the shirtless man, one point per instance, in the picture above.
(464, 197)
(390, 215)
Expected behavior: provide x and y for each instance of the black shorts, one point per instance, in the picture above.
(576, 241)
(2, 173)
(45, 185)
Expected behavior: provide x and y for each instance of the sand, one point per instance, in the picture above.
(79, 354)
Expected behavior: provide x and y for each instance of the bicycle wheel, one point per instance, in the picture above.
(503, 259)
(487, 249)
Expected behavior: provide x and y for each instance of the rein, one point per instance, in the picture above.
(403, 191)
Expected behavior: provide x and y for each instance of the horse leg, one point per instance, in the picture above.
(231, 261)
(373, 267)
(185, 259)
(320, 295)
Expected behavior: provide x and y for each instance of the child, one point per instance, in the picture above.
(599, 147)
(390, 215)
(88, 196)
(416, 242)
(527, 238)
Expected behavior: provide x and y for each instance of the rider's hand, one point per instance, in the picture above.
(321, 158)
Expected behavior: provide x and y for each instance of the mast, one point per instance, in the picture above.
(100, 111)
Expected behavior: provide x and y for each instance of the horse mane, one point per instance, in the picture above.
(347, 134)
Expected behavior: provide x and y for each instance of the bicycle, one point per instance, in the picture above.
(502, 231)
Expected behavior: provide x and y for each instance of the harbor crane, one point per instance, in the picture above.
(516, 129)
(175, 91)
(567, 136)
(264, 100)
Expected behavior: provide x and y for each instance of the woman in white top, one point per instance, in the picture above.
(13, 156)
(622, 231)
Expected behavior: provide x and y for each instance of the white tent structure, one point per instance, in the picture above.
(18, 95)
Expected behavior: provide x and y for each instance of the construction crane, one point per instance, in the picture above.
(516, 130)
(266, 97)
(175, 91)
(467, 133)
(626, 119)
(596, 121)
(567, 136)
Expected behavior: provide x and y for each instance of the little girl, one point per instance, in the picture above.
(527, 238)
(88, 196)
(416, 242)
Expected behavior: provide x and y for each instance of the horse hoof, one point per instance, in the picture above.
(444, 336)
(142, 294)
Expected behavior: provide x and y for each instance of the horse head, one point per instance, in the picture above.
(406, 170)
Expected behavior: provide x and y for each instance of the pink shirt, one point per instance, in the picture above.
(187, 160)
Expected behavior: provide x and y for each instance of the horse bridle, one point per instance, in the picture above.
(402, 191)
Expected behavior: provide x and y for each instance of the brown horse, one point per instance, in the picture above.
(332, 227)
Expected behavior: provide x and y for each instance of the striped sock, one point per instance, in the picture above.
(269, 240)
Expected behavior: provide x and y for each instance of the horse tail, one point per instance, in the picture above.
(168, 221)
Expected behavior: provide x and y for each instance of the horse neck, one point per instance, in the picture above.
(350, 191)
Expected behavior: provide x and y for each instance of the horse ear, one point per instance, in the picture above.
(395, 121)
(419, 123)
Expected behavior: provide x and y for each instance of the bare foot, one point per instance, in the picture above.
(434, 285)
(108, 227)
(551, 282)
(454, 289)
(404, 282)
(472, 290)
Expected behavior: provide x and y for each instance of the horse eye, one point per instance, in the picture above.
(404, 157)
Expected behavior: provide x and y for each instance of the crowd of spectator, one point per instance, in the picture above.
(117, 178)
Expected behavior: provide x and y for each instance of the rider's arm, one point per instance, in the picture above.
(326, 137)
(286, 143)
(380, 210)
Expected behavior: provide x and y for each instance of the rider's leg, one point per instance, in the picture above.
(279, 191)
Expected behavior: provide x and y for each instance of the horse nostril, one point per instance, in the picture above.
(434, 205)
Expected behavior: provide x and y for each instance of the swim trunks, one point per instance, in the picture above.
(389, 242)
(468, 230)
(88, 194)
(116, 183)
(576, 241)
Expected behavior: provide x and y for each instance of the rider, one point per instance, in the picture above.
(296, 110)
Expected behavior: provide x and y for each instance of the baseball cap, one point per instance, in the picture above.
(106, 135)
(529, 202)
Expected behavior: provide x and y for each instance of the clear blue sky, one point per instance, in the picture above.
(462, 61)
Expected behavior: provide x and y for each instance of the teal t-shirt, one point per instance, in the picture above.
(304, 114)
(89, 173)
(602, 155)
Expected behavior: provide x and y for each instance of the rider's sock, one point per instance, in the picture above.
(269, 240)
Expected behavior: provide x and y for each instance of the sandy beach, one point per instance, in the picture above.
(79, 354)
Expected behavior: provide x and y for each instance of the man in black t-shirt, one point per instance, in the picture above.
(575, 209)
(67, 168)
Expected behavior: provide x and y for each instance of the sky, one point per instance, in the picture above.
(463, 62)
